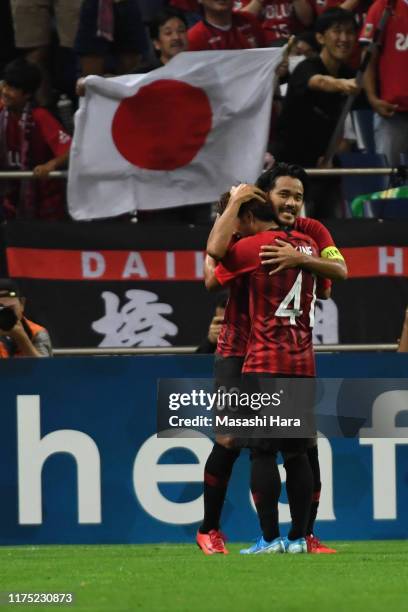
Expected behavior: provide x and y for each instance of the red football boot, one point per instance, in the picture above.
(315, 546)
(212, 542)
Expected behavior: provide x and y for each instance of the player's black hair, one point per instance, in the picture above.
(268, 179)
(22, 75)
(334, 16)
(222, 202)
(259, 209)
(161, 18)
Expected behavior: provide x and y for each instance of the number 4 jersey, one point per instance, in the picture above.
(281, 306)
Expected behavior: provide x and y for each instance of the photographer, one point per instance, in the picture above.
(19, 337)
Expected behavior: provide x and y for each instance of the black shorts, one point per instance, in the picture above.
(227, 371)
(227, 376)
(252, 383)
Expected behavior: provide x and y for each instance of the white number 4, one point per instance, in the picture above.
(294, 296)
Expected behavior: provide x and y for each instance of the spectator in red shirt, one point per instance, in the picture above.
(280, 18)
(386, 79)
(30, 139)
(224, 29)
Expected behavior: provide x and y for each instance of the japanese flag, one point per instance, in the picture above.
(181, 134)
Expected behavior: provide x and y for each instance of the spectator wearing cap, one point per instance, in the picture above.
(19, 337)
(30, 139)
(224, 29)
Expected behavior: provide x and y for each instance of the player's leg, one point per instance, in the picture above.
(313, 456)
(265, 489)
(218, 468)
(299, 488)
(314, 545)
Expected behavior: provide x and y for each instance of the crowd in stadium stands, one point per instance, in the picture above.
(66, 39)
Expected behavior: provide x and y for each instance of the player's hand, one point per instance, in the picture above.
(245, 192)
(383, 108)
(281, 254)
(215, 329)
(43, 170)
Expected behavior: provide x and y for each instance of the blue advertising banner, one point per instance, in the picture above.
(81, 462)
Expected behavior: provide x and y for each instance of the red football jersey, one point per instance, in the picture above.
(393, 61)
(320, 6)
(278, 19)
(244, 33)
(281, 308)
(234, 335)
(47, 140)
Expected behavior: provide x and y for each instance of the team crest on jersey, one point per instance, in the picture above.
(368, 29)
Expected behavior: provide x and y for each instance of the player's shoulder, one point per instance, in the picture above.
(304, 224)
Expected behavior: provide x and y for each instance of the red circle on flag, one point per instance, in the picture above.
(163, 126)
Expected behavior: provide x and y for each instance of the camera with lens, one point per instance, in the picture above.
(8, 318)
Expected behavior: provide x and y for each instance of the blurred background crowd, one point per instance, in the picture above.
(46, 46)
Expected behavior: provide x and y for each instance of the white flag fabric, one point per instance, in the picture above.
(181, 134)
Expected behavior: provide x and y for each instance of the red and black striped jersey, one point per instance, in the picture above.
(234, 335)
(281, 307)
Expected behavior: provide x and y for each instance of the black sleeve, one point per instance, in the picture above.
(206, 347)
(301, 76)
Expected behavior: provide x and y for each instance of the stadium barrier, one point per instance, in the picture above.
(63, 174)
(82, 462)
(190, 350)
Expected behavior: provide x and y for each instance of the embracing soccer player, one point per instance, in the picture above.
(275, 223)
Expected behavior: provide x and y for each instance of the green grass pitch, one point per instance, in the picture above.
(363, 577)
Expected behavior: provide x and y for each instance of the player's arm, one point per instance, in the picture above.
(330, 84)
(210, 280)
(282, 255)
(241, 259)
(225, 225)
(323, 288)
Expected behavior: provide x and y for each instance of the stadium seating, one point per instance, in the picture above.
(392, 208)
(354, 186)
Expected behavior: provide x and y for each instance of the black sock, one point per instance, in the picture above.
(265, 488)
(313, 456)
(217, 473)
(299, 487)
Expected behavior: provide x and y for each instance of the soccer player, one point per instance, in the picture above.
(232, 343)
